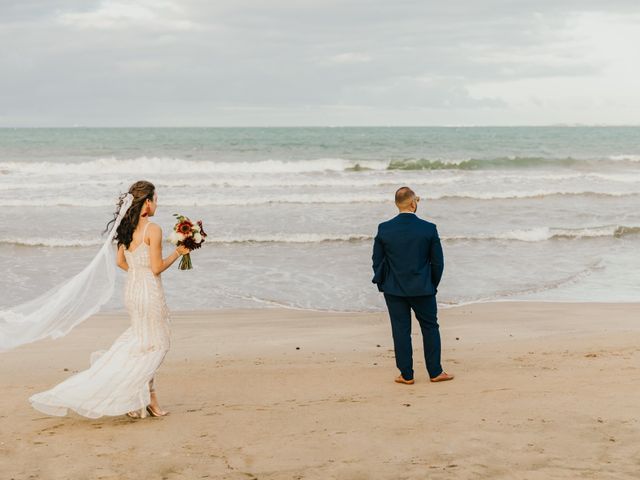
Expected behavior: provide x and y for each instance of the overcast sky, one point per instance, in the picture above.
(321, 62)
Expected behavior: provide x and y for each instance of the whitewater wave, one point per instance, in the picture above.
(51, 242)
(310, 198)
(503, 163)
(625, 157)
(170, 165)
(273, 238)
(549, 233)
(531, 235)
(385, 178)
(311, 182)
(291, 238)
(61, 201)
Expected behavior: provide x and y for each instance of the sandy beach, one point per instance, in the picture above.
(543, 390)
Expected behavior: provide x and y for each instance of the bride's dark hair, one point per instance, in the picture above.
(141, 191)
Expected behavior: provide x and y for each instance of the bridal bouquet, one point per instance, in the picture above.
(189, 234)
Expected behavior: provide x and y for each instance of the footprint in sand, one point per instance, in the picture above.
(51, 430)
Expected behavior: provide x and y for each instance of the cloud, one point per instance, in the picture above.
(350, 57)
(117, 15)
(248, 62)
(590, 74)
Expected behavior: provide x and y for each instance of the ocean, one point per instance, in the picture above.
(525, 213)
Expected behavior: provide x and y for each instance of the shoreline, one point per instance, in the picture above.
(441, 307)
(542, 390)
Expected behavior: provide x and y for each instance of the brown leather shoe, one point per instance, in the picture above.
(401, 379)
(443, 377)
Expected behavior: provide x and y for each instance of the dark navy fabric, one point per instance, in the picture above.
(426, 310)
(407, 257)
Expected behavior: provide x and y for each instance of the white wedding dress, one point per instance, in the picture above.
(119, 379)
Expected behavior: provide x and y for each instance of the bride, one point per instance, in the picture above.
(121, 379)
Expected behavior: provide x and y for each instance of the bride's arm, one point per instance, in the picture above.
(121, 261)
(159, 264)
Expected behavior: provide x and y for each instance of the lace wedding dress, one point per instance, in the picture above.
(119, 379)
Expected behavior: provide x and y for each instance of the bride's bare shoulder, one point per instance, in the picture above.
(154, 229)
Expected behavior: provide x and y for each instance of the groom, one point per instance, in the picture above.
(408, 265)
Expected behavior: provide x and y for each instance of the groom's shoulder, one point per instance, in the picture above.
(426, 223)
(386, 223)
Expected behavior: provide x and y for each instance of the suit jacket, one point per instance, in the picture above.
(407, 257)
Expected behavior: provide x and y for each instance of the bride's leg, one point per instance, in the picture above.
(154, 407)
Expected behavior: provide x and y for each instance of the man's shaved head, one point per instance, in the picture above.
(404, 197)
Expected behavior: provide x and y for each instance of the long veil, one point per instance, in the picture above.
(56, 312)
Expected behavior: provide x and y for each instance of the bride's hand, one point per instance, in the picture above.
(182, 250)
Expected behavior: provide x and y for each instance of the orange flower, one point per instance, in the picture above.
(185, 228)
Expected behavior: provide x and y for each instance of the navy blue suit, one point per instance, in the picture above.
(407, 265)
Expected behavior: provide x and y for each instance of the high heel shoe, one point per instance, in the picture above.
(155, 413)
(152, 411)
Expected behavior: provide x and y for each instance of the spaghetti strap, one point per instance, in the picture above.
(144, 232)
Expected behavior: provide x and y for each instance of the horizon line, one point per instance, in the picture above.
(555, 125)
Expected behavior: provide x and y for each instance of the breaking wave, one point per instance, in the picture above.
(531, 235)
(170, 165)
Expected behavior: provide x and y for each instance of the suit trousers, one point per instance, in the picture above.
(426, 310)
